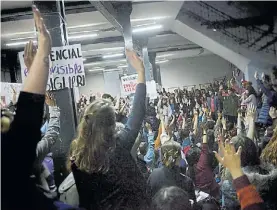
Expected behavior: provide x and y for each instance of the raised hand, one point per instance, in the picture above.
(29, 54)
(256, 75)
(251, 111)
(273, 112)
(230, 159)
(49, 99)
(263, 76)
(135, 61)
(44, 38)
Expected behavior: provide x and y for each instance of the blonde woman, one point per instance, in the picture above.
(105, 173)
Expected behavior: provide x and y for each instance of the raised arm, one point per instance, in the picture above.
(251, 117)
(138, 110)
(53, 131)
(248, 196)
(266, 91)
(24, 134)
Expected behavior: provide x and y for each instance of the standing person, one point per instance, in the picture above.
(268, 92)
(105, 173)
(251, 97)
(230, 106)
(213, 105)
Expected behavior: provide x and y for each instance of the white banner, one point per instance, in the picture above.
(151, 89)
(66, 67)
(7, 91)
(129, 84)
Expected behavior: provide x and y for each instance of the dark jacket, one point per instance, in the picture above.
(166, 177)
(230, 105)
(204, 179)
(20, 142)
(123, 186)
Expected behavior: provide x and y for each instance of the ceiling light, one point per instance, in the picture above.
(164, 55)
(162, 61)
(148, 28)
(99, 63)
(150, 18)
(29, 37)
(97, 69)
(80, 32)
(83, 36)
(214, 29)
(18, 43)
(123, 66)
(105, 49)
(113, 55)
(84, 59)
(19, 33)
(85, 25)
(108, 70)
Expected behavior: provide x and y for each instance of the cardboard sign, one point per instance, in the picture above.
(66, 67)
(129, 84)
(7, 91)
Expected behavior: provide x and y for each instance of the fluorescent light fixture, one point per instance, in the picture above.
(83, 36)
(85, 25)
(105, 49)
(100, 69)
(149, 18)
(80, 32)
(113, 55)
(18, 43)
(109, 70)
(18, 33)
(148, 28)
(162, 61)
(29, 37)
(123, 66)
(102, 62)
(164, 55)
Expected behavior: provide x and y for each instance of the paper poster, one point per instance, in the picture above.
(151, 89)
(7, 91)
(66, 67)
(128, 84)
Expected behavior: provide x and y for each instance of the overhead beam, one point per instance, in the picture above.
(109, 12)
(273, 41)
(26, 13)
(234, 23)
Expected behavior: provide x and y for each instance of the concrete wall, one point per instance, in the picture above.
(193, 71)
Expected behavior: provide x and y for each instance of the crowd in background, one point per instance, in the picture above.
(208, 148)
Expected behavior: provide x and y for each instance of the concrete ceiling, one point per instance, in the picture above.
(143, 14)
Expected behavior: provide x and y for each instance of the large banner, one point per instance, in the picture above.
(66, 67)
(129, 84)
(7, 91)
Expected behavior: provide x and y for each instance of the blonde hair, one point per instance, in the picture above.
(96, 138)
(171, 153)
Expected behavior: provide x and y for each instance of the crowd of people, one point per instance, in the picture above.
(212, 148)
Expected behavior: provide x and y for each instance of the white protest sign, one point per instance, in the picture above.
(7, 91)
(151, 89)
(66, 67)
(129, 84)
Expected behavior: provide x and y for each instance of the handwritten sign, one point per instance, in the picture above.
(66, 67)
(129, 84)
(7, 91)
